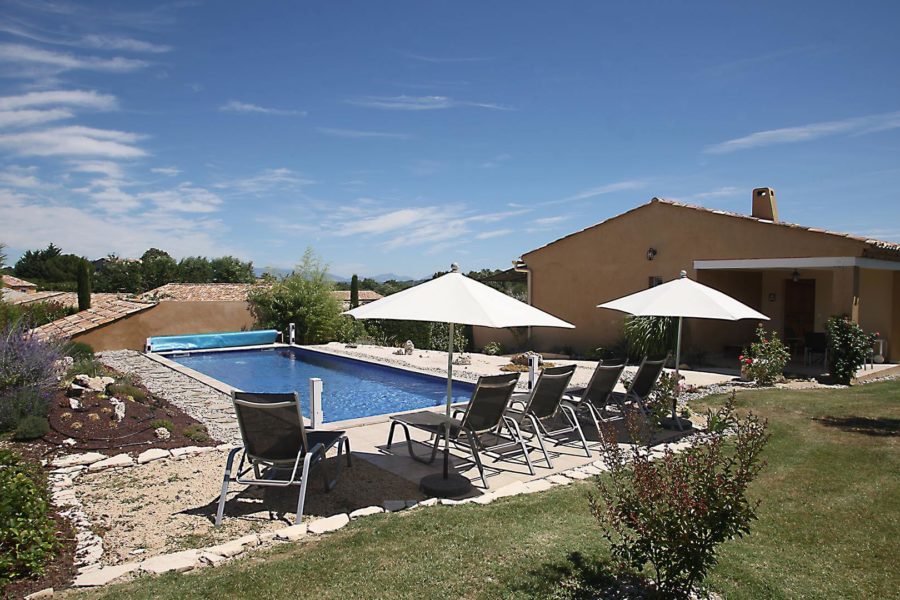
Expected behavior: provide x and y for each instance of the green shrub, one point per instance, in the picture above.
(78, 351)
(848, 346)
(164, 423)
(27, 533)
(123, 390)
(86, 366)
(493, 349)
(349, 330)
(196, 433)
(671, 514)
(766, 358)
(31, 427)
(19, 403)
(650, 336)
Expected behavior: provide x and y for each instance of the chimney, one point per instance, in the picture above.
(764, 205)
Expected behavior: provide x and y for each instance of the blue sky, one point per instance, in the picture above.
(401, 136)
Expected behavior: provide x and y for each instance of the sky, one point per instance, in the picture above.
(402, 136)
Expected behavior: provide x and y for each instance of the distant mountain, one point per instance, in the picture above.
(388, 276)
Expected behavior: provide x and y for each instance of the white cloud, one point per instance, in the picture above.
(266, 181)
(170, 171)
(25, 118)
(804, 133)
(387, 222)
(405, 102)
(721, 192)
(361, 134)
(610, 188)
(108, 168)
(21, 177)
(74, 141)
(76, 98)
(61, 61)
(486, 235)
(112, 42)
(184, 198)
(545, 221)
(245, 107)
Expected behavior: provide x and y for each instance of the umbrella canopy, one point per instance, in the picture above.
(684, 297)
(455, 298)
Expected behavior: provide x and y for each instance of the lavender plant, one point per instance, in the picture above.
(27, 374)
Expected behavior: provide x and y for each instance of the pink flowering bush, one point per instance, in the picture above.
(766, 358)
(669, 515)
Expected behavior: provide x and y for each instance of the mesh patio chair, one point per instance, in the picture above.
(543, 414)
(478, 430)
(815, 343)
(278, 449)
(642, 385)
(596, 397)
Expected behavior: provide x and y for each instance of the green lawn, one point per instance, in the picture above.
(828, 527)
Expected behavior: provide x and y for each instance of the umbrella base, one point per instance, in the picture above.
(680, 424)
(439, 486)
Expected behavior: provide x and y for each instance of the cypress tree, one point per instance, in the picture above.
(84, 286)
(354, 291)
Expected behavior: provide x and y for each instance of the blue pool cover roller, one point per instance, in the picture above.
(207, 341)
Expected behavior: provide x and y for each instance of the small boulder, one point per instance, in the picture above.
(162, 433)
(151, 455)
(78, 459)
(320, 526)
(119, 460)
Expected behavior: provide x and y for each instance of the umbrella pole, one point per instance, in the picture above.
(449, 402)
(677, 377)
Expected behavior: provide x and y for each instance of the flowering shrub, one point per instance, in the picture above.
(766, 358)
(493, 349)
(663, 398)
(848, 346)
(672, 513)
(27, 374)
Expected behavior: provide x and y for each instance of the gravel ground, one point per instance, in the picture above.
(169, 505)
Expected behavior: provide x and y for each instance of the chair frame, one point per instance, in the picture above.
(535, 422)
(442, 425)
(583, 400)
(265, 470)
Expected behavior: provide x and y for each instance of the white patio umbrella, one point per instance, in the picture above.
(457, 300)
(683, 298)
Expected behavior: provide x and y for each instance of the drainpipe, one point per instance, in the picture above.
(519, 266)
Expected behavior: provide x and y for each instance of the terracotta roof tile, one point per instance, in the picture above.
(104, 309)
(10, 281)
(201, 292)
(367, 295)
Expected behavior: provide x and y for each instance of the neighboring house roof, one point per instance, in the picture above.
(64, 298)
(103, 310)
(877, 245)
(364, 295)
(13, 282)
(201, 292)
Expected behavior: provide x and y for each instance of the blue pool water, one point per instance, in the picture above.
(351, 388)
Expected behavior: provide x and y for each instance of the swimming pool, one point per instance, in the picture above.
(351, 388)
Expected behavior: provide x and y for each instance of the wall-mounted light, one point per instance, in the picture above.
(795, 276)
(651, 253)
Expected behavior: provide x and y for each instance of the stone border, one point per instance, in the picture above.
(90, 546)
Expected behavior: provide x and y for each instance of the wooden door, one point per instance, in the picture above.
(799, 307)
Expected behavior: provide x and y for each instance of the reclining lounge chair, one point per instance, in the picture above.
(278, 448)
(596, 397)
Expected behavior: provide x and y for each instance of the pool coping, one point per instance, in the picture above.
(162, 358)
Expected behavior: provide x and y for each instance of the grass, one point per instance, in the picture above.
(828, 527)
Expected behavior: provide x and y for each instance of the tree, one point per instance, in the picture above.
(84, 286)
(228, 269)
(304, 298)
(49, 267)
(157, 268)
(195, 269)
(120, 276)
(354, 291)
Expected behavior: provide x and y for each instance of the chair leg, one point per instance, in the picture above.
(347, 444)
(226, 480)
(596, 418)
(570, 413)
(470, 437)
(409, 445)
(307, 461)
(540, 439)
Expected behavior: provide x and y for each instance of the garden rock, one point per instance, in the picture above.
(513, 489)
(228, 549)
(178, 561)
(74, 390)
(538, 485)
(78, 459)
(394, 505)
(118, 409)
(151, 455)
(320, 526)
(104, 575)
(95, 384)
(292, 533)
(162, 433)
(364, 512)
(119, 460)
(559, 480)
(74, 404)
(44, 593)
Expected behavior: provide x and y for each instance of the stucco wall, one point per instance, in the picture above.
(876, 310)
(169, 318)
(573, 275)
